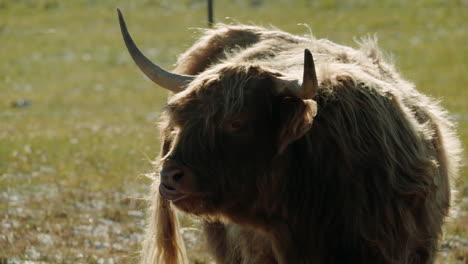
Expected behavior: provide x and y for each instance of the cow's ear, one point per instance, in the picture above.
(295, 119)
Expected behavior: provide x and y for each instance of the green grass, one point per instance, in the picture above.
(90, 130)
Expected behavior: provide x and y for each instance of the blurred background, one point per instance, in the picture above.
(78, 119)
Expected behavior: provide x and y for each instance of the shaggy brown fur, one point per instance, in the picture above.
(359, 174)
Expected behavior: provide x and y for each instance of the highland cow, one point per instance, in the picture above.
(290, 158)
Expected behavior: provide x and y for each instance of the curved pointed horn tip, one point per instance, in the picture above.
(307, 53)
(121, 19)
(119, 13)
(308, 58)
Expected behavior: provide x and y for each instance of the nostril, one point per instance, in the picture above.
(173, 175)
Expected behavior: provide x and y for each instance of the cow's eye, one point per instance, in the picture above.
(234, 125)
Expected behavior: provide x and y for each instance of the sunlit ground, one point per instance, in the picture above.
(77, 119)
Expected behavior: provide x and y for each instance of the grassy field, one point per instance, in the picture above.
(77, 119)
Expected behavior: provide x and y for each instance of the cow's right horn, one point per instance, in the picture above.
(171, 81)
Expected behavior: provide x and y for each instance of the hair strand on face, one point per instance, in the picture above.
(163, 239)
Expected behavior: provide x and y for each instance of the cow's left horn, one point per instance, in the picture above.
(309, 81)
(171, 81)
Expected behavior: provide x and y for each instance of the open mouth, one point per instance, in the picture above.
(170, 193)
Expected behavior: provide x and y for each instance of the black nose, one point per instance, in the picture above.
(171, 175)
